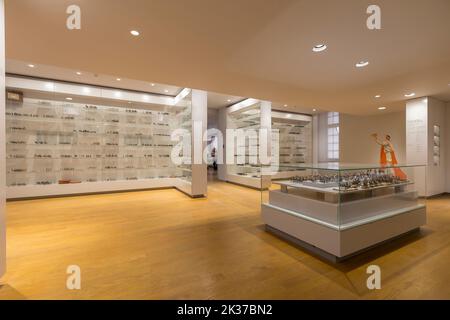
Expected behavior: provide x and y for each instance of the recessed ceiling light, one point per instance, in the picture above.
(285, 105)
(166, 91)
(378, 96)
(152, 84)
(229, 100)
(69, 98)
(31, 65)
(135, 33)
(382, 108)
(319, 47)
(118, 79)
(409, 95)
(314, 110)
(79, 73)
(362, 64)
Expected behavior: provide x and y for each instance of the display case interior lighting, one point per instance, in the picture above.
(319, 47)
(362, 64)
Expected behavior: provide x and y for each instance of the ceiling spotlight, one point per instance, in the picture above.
(135, 33)
(69, 98)
(382, 108)
(229, 100)
(285, 105)
(314, 110)
(319, 47)
(31, 65)
(118, 79)
(152, 84)
(166, 91)
(409, 95)
(378, 96)
(362, 64)
(79, 73)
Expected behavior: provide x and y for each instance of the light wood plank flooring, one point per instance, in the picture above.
(162, 244)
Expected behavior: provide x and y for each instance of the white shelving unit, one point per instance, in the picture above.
(58, 147)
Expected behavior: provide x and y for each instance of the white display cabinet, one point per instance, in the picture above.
(289, 142)
(339, 210)
(56, 147)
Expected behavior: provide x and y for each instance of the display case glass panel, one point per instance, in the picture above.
(343, 196)
(52, 141)
(247, 121)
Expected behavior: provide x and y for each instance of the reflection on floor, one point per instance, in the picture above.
(162, 244)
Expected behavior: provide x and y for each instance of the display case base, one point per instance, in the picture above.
(339, 244)
(58, 190)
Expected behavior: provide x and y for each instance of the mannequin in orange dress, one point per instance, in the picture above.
(387, 155)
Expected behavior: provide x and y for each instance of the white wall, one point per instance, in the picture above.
(2, 142)
(213, 118)
(199, 169)
(222, 126)
(357, 145)
(447, 151)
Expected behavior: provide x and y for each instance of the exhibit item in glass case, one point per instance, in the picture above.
(387, 154)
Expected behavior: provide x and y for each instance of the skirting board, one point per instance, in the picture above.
(342, 243)
(255, 183)
(35, 191)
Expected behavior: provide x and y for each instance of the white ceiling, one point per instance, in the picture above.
(215, 100)
(249, 48)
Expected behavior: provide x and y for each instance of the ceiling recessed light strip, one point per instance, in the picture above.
(319, 47)
(362, 64)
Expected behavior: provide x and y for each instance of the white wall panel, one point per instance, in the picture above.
(2, 142)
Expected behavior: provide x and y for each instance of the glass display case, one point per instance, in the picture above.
(246, 169)
(291, 143)
(342, 209)
(52, 142)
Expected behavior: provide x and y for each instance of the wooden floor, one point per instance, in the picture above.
(162, 244)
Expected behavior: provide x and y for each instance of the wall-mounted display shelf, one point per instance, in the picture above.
(63, 147)
(436, 145)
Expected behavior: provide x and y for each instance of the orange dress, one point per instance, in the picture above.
(383, 161)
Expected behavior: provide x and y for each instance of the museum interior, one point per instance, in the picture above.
(224, 150)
